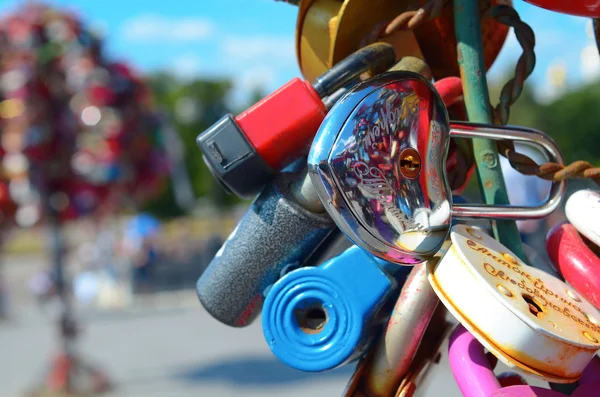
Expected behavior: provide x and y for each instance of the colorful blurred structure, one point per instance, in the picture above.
(79, 138)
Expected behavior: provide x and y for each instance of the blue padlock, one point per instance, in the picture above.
(319, 318)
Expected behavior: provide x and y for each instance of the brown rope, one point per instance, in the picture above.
(409, 20)
(511, 92)
(548, 171)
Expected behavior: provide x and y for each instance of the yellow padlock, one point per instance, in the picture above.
(329, 30)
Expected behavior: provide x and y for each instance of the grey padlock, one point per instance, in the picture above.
(282, 228)
(378, 165)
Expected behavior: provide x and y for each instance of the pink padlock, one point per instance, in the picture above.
(475, 377)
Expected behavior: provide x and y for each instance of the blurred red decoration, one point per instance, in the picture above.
(75, 128)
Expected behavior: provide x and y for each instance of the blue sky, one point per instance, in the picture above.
(252, 41)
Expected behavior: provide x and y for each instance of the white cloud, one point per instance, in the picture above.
(590, 63)
(262, 77)
(151, 27)
(259, 48)
(186, 66)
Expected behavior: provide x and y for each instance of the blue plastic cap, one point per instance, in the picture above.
(346, 291)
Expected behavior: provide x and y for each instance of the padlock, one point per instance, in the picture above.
(581, 8)
(245, 152)
(395, 352)
(377, 163)
(284, 225)
(575, 261)
(475, 376)
(319, 318)
(528, 319)
(583, 211)
(327, 31)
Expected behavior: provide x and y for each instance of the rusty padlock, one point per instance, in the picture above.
(377, 163)
(528, 319)
(329, 30)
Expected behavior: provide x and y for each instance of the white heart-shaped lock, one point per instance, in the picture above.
(529, 319)
(583, 211)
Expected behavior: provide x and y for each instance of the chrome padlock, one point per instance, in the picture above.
(528, 319)
(378, 165)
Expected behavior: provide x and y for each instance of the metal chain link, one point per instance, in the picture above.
(510, 93)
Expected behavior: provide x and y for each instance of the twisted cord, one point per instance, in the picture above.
(511, 92)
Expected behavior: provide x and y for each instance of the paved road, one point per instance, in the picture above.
(169, 347)
(174, 352)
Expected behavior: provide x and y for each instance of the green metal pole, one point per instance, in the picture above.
(475, 89)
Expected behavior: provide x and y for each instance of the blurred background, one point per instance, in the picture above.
(133, 267)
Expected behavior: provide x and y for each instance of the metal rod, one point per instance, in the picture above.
(394, 354)
(406, 327)
(472, 69)
(525, 135)
(67, 333)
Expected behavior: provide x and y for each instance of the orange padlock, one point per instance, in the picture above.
(329, 30)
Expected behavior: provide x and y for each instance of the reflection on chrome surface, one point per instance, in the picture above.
(402, 215)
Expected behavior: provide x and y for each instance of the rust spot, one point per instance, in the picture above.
(488, 184)
(511, 259)
(590, 337)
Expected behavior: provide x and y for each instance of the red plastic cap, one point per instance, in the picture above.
(581, 8)
(282, 125)
(576, 262)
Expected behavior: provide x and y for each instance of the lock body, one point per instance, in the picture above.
(379, 170)
(378, 163)
(329, 30)
(581, 8)
(275, 233)
(575, 261)
(245, 152)
(583, 211)
(525, 317)
(319, 318)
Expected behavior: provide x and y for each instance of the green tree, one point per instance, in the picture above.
(192, 107)
(573, 122)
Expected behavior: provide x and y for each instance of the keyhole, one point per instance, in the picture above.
(312, 319)
(410, 163)
(534, 307)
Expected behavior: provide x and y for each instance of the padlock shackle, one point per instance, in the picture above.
(524, 135)
(376, 57)
(471, 368)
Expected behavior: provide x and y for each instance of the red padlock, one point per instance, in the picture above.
(581, 8)
(575, 261)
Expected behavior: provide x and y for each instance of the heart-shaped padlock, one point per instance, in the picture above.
(528, 319)
(378, 161)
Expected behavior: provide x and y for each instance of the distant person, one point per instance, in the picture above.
(526, 190)
(139, 245)
(42, 286)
